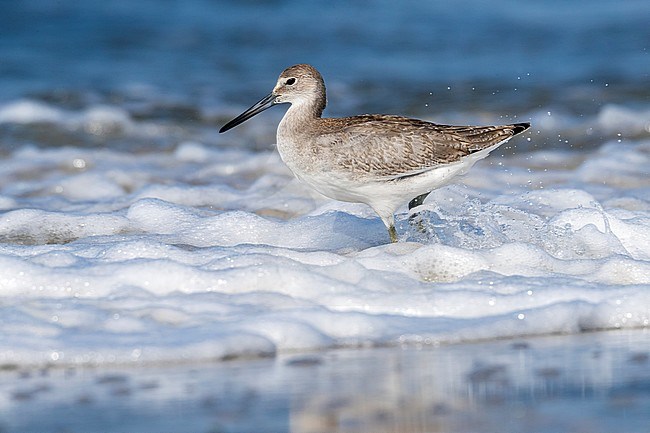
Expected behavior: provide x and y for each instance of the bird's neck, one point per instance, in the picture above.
(301, 116)
(294, 131)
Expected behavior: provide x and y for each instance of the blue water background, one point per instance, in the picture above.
(407, 57)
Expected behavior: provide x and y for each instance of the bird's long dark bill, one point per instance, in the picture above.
(260, 106)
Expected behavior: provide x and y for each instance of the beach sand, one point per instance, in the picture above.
(593, 382)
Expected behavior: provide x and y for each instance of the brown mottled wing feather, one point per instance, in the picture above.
(393, 146)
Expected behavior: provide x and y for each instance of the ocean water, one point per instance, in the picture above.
(132, 233)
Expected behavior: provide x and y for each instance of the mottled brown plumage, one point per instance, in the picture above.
(380, 160)
(359, 144)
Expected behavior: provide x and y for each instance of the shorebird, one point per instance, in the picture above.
(380, 160)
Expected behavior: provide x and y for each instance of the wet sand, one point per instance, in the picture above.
(595, 382)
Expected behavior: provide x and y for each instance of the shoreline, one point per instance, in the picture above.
(593, 382)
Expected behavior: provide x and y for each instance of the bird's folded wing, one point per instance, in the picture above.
(394, 147)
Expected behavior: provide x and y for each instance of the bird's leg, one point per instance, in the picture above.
(417, 201)
(392, 233)
(389, 222)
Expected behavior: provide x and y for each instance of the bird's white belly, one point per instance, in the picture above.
(384, 195)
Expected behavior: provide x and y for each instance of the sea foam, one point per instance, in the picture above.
(213, 252)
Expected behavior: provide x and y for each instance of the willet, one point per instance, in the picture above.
(380, 160)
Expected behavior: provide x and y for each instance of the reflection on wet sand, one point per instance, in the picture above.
(585, 383)
(596, 383)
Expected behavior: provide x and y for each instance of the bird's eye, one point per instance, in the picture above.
(290, 81)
